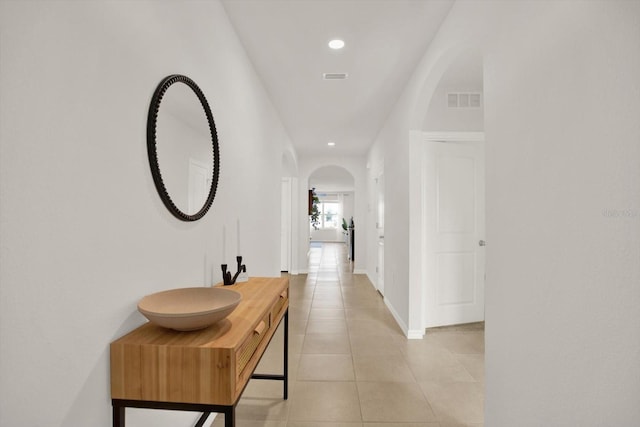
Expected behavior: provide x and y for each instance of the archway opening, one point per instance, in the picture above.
(334, 188)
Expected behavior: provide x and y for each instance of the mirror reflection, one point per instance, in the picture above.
(183, 143)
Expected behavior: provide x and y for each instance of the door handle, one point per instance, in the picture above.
(482, 243)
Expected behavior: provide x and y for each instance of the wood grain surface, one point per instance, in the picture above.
(209, 366)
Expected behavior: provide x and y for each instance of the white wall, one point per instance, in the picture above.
(391, 156)
(84, 235)
(464, 75)
(563, 218)
(356, 167)
(563, 276)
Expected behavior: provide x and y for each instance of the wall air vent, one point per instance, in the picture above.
(334, 76)
(464, 100)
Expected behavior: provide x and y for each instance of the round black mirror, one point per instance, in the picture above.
(182, 144)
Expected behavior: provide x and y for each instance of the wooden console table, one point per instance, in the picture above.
(206, 370)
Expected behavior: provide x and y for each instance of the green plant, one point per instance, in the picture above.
(315, 212)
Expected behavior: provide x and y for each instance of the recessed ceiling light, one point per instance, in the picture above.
(336, 44)
(331, 143)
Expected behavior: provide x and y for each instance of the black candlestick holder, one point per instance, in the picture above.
(226, 275)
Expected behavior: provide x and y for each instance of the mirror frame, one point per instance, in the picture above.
(152, 151)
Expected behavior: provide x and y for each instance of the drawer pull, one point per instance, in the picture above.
(250, 345)
(283, 295)
(260, 328)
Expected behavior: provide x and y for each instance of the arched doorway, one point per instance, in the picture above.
(334, 188)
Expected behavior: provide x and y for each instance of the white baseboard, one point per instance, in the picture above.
(360, 271)
(411, 334)
(395, 315)
(415, 334)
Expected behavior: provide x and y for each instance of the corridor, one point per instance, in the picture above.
(351, 366)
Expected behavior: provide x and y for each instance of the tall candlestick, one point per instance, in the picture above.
(238, 230)
(224, 244)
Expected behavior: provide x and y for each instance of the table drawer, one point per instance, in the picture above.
(249, 346)
(280, 304)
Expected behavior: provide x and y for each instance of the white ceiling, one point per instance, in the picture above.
(287, 42)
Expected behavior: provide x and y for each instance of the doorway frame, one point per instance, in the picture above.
(417, 238)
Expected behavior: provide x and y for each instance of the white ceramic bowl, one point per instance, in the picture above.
(189, 309)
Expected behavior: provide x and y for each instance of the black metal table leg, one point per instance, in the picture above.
(286, 355)
(230, 417)
(202, 419)
(118, 416)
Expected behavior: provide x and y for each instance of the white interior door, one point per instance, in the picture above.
(380, 272)
(380, 229)
(454, 195)
(199, 181)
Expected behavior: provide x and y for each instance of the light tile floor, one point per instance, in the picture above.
(351, 366)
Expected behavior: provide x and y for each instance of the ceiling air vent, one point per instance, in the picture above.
(334, 76)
